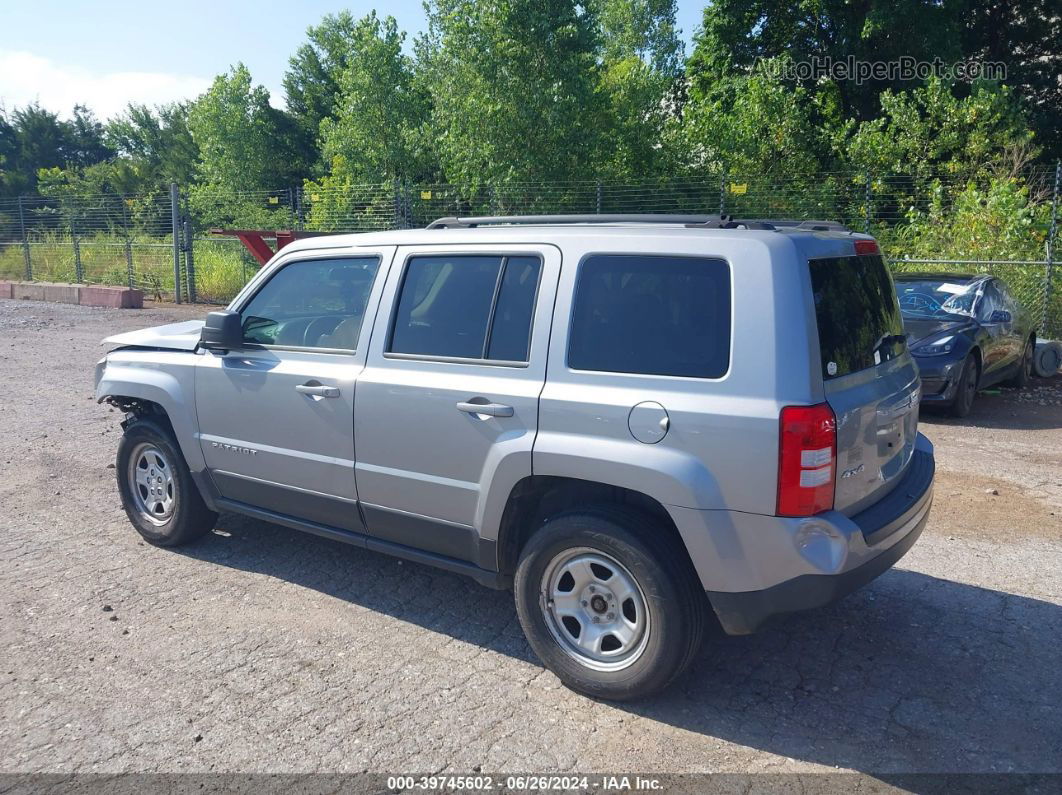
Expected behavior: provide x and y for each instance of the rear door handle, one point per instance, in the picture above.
(318, 390)
(489, 409)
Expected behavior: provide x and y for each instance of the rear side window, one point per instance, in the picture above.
(857, 312)
(655, 315)
(467, 307)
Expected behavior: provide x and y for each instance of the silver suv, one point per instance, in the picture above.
(626, 419)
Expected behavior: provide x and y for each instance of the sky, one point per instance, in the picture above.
(108, 53)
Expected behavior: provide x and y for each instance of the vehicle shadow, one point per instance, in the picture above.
(911, 674)
(1001, 410)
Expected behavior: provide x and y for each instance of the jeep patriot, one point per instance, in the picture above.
(631, 421)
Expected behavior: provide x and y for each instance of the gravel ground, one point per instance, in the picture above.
(262, 649)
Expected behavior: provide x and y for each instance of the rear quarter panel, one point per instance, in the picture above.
(721, 448)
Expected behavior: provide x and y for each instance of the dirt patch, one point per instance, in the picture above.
(989, 508)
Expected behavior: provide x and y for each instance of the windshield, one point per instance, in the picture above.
(935, 298)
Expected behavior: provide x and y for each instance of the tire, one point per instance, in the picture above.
(651, 597)
(157, 491)
(1025, 366)
(1047, 358)
(966, 390)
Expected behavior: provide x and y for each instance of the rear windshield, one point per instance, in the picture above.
(858, 316)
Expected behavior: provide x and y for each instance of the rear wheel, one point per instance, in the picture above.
(966, 390)
(610, 602)
(1021, 378)
(156, 487)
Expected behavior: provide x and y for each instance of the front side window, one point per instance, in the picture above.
(466, 307)
(656, 315)
(991, 301)
(312, 304)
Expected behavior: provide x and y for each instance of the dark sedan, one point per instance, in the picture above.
(966, 333)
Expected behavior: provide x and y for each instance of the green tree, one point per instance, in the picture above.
(235, 130)
(157, 143)
(1024, 35)
(380, 111)
(84, 143)
(987, 219)
(41, 141)
(641, 63)
(755, 125)
(311, 83)
(11, 181)
(930, 130)
(737, 33)
(514, 86)
(245, 151)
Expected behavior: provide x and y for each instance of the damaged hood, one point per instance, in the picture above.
(173, 336)
(920, 329)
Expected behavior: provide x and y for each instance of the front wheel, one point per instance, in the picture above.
(610, 603)
(1025, 368)
(966, 390)
(156, 487)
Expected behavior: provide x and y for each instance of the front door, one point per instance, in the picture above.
(997, 349)
(447, 405)
(276, 417)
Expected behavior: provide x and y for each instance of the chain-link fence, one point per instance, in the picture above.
(161, 243)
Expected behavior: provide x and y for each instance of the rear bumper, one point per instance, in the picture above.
(838, 554)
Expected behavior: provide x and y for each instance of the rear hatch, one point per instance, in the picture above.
(870, 380)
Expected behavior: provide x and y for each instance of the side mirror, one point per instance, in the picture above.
(999, 316)
(223, 332)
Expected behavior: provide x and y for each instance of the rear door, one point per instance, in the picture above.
(447, 405)
(870, 380)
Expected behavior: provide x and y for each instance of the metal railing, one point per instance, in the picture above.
(159, 243)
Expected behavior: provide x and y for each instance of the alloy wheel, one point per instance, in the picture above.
(151, 482)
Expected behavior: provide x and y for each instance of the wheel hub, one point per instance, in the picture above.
(595, 609)
(151, 483)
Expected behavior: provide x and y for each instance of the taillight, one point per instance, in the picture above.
(807, 458)
(867, 247)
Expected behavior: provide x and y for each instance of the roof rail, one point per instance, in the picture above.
(811, 226)
(690, 221)
(694, 221)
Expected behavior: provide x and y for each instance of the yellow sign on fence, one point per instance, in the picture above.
(741, 189)
(425, 194)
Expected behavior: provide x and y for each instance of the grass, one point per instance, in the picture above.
(222, 266)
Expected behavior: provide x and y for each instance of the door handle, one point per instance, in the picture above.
(318, 390)
(490, 409)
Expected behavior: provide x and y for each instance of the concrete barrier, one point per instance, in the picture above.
(114, 297)
(62, 293)
(27, 291)
(83, 294)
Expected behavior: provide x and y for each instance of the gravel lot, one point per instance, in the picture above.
(262, 649)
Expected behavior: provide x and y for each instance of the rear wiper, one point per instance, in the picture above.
(887, 339)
